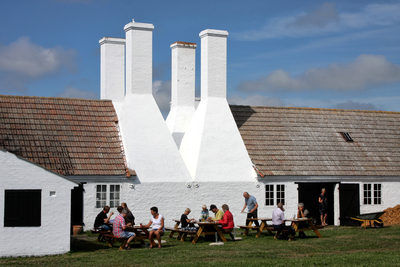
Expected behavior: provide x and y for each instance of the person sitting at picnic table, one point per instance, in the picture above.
(217, 213)
(185, 221)
(302, 213)
(227, 220)
(119, 227)
(102, 219)
(129, 219)
(158, 226)
(278, 222)
(204, 213)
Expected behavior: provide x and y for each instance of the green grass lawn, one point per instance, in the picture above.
(339, 246)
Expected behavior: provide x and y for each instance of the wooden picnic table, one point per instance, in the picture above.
(263, 226)
(176, 228)
(208, 228)
(141, 232)
(299, 225)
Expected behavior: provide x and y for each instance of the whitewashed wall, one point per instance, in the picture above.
(390, 196)
(53, 236)
(173, 198)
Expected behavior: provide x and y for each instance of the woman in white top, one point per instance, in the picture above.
(158, 226)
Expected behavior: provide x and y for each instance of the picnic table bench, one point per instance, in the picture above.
(178, 230)
(100, 232)
(297, 225)
(141, 234)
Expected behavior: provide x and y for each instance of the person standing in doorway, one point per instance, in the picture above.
(322, 207)
(251, 203)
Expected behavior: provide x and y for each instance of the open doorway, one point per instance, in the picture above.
(309, 194)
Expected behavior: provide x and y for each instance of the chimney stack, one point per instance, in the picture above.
(149, 147)
(213, 63)
(182, 88)
(139, 47)
(112, 69)
(212, 146)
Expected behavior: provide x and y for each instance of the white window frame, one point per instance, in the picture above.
(278, 194)
(109, 195)
(372, 194)
(269, 201)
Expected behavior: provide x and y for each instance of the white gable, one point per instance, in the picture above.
(53, 236)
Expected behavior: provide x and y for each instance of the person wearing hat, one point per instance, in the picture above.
(218, 213)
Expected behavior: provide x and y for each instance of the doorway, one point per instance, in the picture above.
(349, 198)
(309, 194)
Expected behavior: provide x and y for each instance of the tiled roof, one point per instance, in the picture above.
(67, 136)
(306, 141)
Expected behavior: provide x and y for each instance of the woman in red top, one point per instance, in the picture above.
(227, 220)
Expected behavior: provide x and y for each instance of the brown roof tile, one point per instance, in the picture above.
(307, 141)
(67, 136)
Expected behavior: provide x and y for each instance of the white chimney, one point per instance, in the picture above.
(213, 63)
(139, 44)
(212, 146)
(112, 69)
(182, 88)
(149, 147)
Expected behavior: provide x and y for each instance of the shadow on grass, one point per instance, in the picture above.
(81, 245)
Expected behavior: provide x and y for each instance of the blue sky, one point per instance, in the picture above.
(343, 54)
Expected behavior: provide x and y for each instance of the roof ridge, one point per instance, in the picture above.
(324, 109)
(56, 98)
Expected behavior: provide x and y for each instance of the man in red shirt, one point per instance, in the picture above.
(119, 228)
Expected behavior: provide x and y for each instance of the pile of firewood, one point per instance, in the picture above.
(391, 216)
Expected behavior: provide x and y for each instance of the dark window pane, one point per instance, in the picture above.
(22, 208)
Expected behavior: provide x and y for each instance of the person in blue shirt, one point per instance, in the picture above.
(251, 203)
(204, 213)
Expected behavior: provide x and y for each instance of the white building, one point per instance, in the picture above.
(35, 208)
(124, 151)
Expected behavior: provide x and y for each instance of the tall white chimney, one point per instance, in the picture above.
(213, 63)
(183, 64)
(212, 146)
(149, 147)
(112, 68)
(139, 58)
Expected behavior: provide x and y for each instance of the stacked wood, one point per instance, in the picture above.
(391, 216)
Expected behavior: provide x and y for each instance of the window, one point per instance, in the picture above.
(280, 193)
(377, 193)
(22, 208)
(114, 196)
(101, 196)
(270, 195)
(347, 137)
(107, 195)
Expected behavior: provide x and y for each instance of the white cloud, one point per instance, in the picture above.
(320, 17)
(324, 19)
(256, 100)
(162, 95)
(365, 71)
(71, 92)
(23, 61)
